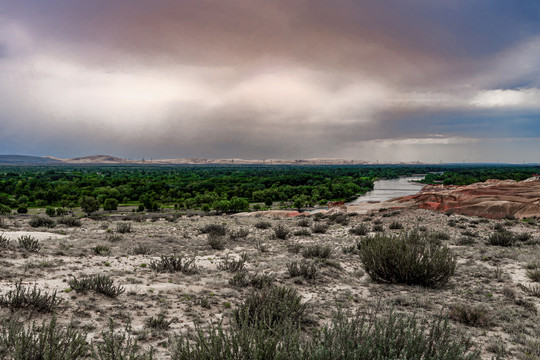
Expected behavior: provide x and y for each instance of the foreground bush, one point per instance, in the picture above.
(174, 264)
(29, 298)
(502, 238)
(101, 284)
(408, 258)
(373, 336)
(48, 341)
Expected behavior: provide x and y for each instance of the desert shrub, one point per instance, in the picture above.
(375, 335)
(303, 222)
(258, 281)
(339, 219)
(159, 322)
(118, 345)
(477, 316)
(270, 308)
(101, 250)
(61, 211)
(534, 274)
(29, 243)
(137, 217)
(4, 210)
(101, 284)
(45, 341)
(499, 227)
(173, 264)
(238, 234)
(114, 238)
(319, 228)
(233, 265)
(532, 289)
(524, 236)
(263, 225)
(409, 258)
(395, 225)
(378, 228)
(4, 242)
(359, 230)
(214, 229)
(29, 298)
(123, 227)
(69, 221)
(41, 221)
(294, 248)
(502, 238)
(317, 251)
(306, 269)
(466, 241)
(141, 249)
(216, 242)
(469, 233)
(302, 232)
(281, 231)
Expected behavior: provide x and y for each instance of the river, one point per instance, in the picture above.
(388, 189)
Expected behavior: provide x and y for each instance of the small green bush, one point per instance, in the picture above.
(69, 221)
(395, 225)
(214, 229)
(45, 341)
(41, 221)
(29, 243)
(233, 265)
(4, 242)
(319, 228)
(216, 242)
(281, 231)
(263, 225)
(141, 249)
(29, 298)
(502, 238)
(477, 316)
(317, 251)
(306, 269)
(359, 230)
(409, 258)
(123, 227)
(172, 264)
(101, 284)
(101, 250)
(270, 308)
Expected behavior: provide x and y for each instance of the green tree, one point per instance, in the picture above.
(49, 210)
(110, 205)
(4, 209)
(268, 202)
(22, 209)
(299, 201)
(89, 204)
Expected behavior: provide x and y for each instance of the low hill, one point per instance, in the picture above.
(27, 160)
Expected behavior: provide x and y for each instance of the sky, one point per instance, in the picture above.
(393, 80)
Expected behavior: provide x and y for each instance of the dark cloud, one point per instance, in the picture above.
(210, 78)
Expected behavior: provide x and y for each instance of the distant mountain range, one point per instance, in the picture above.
(111, 160)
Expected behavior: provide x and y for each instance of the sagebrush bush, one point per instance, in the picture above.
(141, 249)
(409, 258)
(534, 274)
(214, 229)
(263, 225)
(241, 233)
(378, 228)
(281, 231)
(317, 251)
(270, 308)
(359, 230)
(173, 264)
(216, 242)
(114, 238)
(303, 222)
(306, 269)
(101, 250)
(233, 265)
(4, 242)
(69, 221)
(319, 228)
(41, 221)
(101, 284)
(302, 232)
(47, 341)
(502, 238)
(158, 323)
(258, 281)
(29, 298)
(29, 243)
(477, 316)
(119, 345)
(395, 225)
(376, 335)
(123, 227)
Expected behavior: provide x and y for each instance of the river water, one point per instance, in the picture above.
(388, 189)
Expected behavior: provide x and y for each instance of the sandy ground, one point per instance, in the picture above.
(487, 275)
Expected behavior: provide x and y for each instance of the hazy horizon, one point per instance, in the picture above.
(366, 80)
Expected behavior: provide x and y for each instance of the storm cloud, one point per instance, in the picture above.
(388, 81)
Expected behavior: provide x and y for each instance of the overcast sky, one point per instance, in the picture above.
(393, 80)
